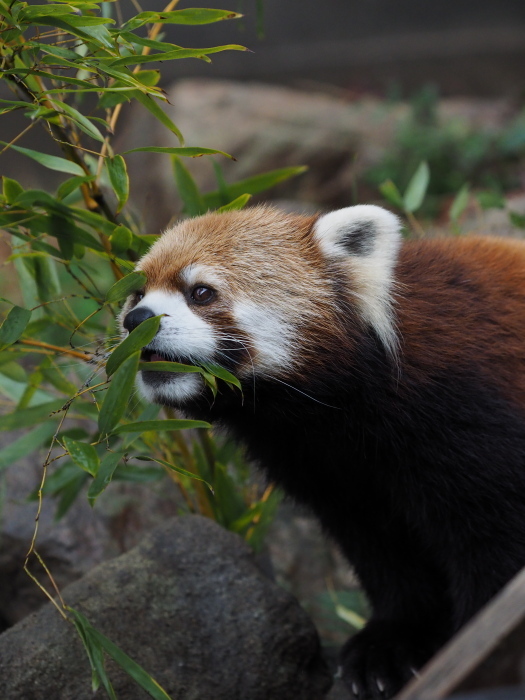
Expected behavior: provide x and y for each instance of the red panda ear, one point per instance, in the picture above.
(367, 239)
(364, 230)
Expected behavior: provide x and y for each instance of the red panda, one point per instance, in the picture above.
(383, 386)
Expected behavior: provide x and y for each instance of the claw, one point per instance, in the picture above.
(414, 672)
(355, 689)
(380, 685)
(339, 672)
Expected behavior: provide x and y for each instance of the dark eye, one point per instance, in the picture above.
(138, 296)
(202, 295)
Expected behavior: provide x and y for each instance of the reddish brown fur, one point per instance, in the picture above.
(461, 302)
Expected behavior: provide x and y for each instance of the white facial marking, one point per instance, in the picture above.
(182, 332)
(204, 274)
(371, 269)
(273, 339)
(179, 389)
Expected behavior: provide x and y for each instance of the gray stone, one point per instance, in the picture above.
(190, 605)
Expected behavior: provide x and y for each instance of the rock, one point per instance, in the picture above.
(71, 547)
(190, 605)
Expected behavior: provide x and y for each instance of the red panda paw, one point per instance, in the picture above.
(379, 661)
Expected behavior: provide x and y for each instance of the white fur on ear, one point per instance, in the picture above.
(367, 238)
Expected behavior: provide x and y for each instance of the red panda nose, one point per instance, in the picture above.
(136, 316)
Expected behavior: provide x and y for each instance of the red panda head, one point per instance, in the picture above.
(263, 293)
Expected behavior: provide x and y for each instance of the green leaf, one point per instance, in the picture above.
(257, 535)
(190, 151)
(83, 454)
(11, 189)
(157, 111)
(490, 199)
(190, 16)
(123, 288)
(117, 396)
(517, 219)
(417, 188)
(30, 416)
(121, 240)
(82, 122)
(94, 652)
(252, 185)
(73, 183)
(168, 367)
(460, 203)
(13, 326)
(104, 475)
(223, 374)
(172, 55)
(26, 444)
(168, 424)
(392, 195)
(51, 162)
(134, 342)
(179, 470)
(100, 641)
(118, 175)
(187, 188)
(88, 29)
(236, 204)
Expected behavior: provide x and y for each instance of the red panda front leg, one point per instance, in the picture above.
(412, 618)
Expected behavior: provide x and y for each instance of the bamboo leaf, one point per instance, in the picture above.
(168, 367)
(191, 151)
(223, 374)
(83, 122)
(118, 175)
(134, 342)
(417, 188)
(94, 652)
(104, 475)
(117, 396)
(30, 416)
(123, 288)
(83, 454)
(238, 203)
(460, 203)
(13, 326)
(252, 185)
(149, 103)
(392, 195)
(187, 188)
(121, 240)
(172, 55)
(168, 424)
(173, 467)
(11, 189)
(190, 16)
(97, 640)
(26, 444)
(51, 162)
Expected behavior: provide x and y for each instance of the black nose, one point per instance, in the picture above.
(136, 316)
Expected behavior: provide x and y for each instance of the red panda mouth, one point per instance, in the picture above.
(153, 356)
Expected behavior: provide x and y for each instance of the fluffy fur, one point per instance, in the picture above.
(384, 387)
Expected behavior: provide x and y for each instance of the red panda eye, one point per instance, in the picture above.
(139, 296)
(202, 295)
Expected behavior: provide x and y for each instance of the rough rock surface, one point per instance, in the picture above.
(190, 605)
(71, 547)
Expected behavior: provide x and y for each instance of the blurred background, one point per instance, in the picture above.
(360, 92)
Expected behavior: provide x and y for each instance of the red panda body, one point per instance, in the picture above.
(383, 386)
